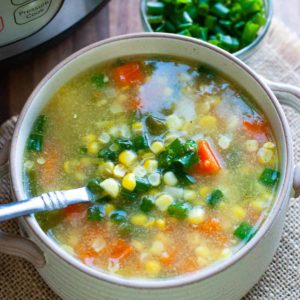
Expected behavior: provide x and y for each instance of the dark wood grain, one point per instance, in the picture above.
(118, 17)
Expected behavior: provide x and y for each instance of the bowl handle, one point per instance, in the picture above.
(16, 245)
(288, 95)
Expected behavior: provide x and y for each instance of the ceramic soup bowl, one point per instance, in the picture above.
(228, 279)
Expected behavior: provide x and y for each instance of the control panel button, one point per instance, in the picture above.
(31, 11)
(18, 2)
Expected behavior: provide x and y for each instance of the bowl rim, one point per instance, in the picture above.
(283, 193)
(243, 52)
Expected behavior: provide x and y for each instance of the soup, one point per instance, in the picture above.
(183, 168)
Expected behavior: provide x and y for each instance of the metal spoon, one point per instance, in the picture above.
(45, 202)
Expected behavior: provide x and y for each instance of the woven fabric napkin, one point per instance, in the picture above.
(278, 59)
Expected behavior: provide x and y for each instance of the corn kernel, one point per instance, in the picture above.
(106, 168)
(109, 208)
(89, 138)
(148, 155)
(226, 253)
(139, 219)
(208, 122)
(251, 145)
(129, 182)
(150, 165)
(269, 145)
(157, 147)
(189, 195)
(150, 223)
(163, 202)
(67, 167)
(137, 127)
(152, 267)
(104, 138)
(196, 215)
(110, 186)
(259, 205)
(170, 178)
(154, 179)
(127, 157)
(137, 245)
(119, 171)
(93, 148)
(204, 191)
(157, 248)
(224, 141)
(202, 251)
(174, 123)
(160, 223)
(238, 212)
(175, 192)
(264, 155)
(139, 171)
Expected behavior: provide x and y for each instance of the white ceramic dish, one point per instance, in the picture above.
(229, 279)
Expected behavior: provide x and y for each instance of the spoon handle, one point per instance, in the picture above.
(45, 202)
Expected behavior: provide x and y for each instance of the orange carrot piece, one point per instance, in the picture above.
(50, 168)
(255, 127)
(133, 104)
(120, 250)
(168, 258)
(128, 74)
(208, 163)
(187, 265)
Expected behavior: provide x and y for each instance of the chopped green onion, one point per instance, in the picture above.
(94, 186)
(35, 142)
(118, 215)
(214, 198)
(107, 154)
(269, 177)
(244, 231)
(140, 142)
(147, 204)
(124, 144)
(155, 125)
(220, 10)
(179, 210)
(142, 185)
(100, 80)
(96, 212)
(155, 8)
(155, 19)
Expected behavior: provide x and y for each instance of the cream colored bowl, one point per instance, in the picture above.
(228, 279)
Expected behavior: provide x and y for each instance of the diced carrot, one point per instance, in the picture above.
(50, 168)
(128, 74)
(208, 163)
(186, 265)
(133, 104)
(120, 250)
(212, 228)
(168, 257)
(75, 208)
(84, 248)
(255, 128)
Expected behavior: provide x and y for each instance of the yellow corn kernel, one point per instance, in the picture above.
(226, 253)
(196, 215)
(238, 212)
(89, 138)
(160, 223)
(269, 145)
(137, 245)
(109, 208)
(204, 191)
(93, 148)
(259, 205)
(170, 178)
(202, 251)
(208, 122)
(189, 195)
(139, 219)
(127, 157)
(174, 123)
(170, 137)
(106, 168)
(150, 165)
(157, 147)
(264, 155)
(251, 145)
(163, 202)
(119, 171)
(152, 267)
(137, 127)
(67, 167)
(150, 223)
(129, 182)
(148, 155)
(157, 248)
(110, 186)
(154, 179)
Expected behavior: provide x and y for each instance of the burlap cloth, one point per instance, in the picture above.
(278, 59)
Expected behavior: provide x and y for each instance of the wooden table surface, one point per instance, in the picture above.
(118, 17)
